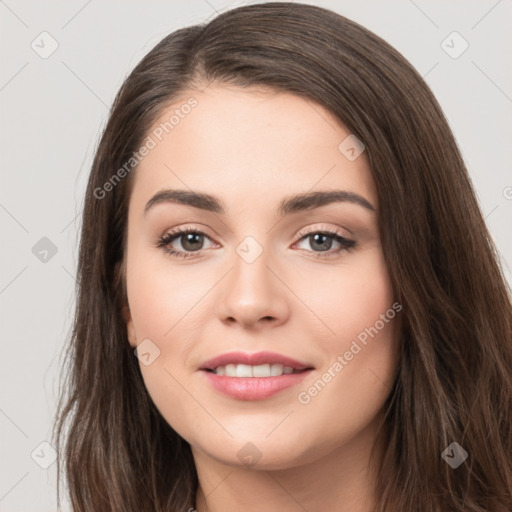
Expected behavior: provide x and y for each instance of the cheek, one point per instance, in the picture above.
(348, 300)
(351, 389)
(166, 308)
(160, 297)
(360, 350)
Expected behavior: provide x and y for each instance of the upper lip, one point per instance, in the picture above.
(254, 359)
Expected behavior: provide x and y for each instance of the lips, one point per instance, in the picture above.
(255, 376)
(255, 359)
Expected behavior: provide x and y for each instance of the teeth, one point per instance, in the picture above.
(243, 370)
(262, 370)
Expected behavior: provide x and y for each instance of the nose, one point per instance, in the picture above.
(254, 295)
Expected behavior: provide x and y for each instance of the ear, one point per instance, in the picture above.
(120, 276)
(130, 330)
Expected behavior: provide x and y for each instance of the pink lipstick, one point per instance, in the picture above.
(254, 376)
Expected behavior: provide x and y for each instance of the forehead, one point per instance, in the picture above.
(249, 146)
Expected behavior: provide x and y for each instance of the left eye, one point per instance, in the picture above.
(323, 241)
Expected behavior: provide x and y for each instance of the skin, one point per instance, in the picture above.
(251, 148)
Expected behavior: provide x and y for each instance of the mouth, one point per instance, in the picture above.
(253, 387)
(254, 376)
(258, 371)
(257, 364)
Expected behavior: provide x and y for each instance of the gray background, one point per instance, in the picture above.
(53, 110)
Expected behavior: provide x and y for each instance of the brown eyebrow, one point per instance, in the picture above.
(289, 205)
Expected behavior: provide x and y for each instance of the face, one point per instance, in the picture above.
(295, 293)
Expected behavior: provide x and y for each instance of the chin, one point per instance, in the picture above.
(265, 454)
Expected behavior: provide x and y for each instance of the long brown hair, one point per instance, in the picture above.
(454, 382)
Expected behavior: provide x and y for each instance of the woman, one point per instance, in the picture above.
(279, 225)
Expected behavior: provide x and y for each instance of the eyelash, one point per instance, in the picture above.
(165, 240)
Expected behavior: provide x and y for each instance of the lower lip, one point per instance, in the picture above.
(254, 388)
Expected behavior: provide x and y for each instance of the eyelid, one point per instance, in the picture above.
(333, 230)
(301, 233)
